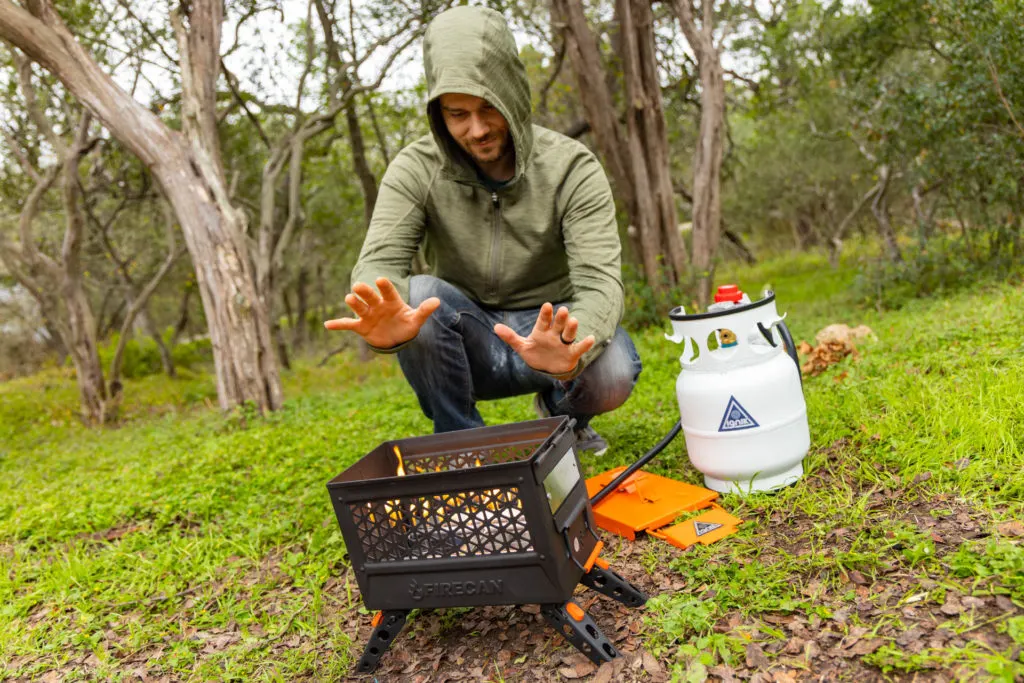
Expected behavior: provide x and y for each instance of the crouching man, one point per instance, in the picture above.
(517, 224)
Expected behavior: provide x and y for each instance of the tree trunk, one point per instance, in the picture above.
(300, 333)
(367, 181)
(637, 158)
(741, 247)
(182, 324)
(880, 209)
(166, 359)
(189, 169)
(707, 158)
(581, 45)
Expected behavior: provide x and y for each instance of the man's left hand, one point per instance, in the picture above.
(551, 346)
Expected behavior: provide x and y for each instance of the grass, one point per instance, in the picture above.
(203, 547)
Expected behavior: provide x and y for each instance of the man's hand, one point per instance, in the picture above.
(384, 319)
(551, 346)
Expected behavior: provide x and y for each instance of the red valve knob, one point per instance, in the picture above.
(730, 293)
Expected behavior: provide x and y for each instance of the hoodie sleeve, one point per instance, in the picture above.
(591, 239)
(397, 226)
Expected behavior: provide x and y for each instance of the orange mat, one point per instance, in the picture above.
(644, 501)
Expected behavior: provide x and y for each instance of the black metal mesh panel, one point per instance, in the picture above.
(440, 462)
(460, 524)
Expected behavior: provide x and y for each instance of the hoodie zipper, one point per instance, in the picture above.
(495, 246)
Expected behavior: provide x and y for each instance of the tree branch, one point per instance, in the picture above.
(1002, 96)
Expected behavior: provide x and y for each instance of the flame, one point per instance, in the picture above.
(401, 463)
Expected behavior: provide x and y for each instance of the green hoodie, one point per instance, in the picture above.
(547, 235)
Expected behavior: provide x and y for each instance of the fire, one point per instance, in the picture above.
(401, 463)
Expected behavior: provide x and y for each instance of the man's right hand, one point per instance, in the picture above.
(384, 319)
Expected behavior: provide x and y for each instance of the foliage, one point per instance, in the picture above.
(645, 306)
(939, 267)
(142, 357)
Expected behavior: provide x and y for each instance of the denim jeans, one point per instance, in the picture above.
(457, 360)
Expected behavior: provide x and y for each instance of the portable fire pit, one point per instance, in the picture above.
(489, 516)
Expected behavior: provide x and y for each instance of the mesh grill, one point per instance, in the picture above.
(460, 524)
(440, 462)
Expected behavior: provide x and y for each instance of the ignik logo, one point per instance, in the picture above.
(415, 590)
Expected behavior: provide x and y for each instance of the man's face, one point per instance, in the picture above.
(479, 128)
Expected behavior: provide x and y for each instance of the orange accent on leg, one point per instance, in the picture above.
(575, 611)
(588, 565)
(378, 619)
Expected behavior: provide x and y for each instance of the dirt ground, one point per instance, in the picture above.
(516, 644)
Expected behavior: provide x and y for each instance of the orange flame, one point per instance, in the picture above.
(401, 463)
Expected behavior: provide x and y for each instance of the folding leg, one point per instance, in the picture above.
(606, 581)
(578, 628)
(386, 626)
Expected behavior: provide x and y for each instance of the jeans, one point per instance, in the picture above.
(457, 360)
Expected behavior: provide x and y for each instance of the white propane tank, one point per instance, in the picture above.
(741, 404)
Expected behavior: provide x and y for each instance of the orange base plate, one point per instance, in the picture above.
(705, 528)
(644, 501)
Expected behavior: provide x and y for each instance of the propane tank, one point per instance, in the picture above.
(741, 401)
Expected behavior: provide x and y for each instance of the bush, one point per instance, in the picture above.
(643, 306)
(937, 267)
(142, 357)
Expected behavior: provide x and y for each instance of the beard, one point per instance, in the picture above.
(488, 150)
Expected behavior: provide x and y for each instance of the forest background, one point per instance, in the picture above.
(145, 143)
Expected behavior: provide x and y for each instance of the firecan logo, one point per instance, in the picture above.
(419, 591)
(736, 418)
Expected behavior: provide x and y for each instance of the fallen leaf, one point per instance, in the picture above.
(866, 647)
(1011, 528)
(604, 673)
(756, 658)
(651, 665)
(795, 646)
(973, 602)
(951, 607)
(725, 672)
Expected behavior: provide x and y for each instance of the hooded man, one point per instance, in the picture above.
(513, 218)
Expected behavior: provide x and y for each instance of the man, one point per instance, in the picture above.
(513, 218)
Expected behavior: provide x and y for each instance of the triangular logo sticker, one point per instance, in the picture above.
(705, 527)
(736, 418)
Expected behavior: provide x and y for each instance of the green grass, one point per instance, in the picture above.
(203, 546)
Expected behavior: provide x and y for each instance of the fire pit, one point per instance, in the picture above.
(489, 516)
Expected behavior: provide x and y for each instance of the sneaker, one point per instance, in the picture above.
(587, 439)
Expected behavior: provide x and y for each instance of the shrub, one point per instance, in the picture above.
(142, 357)
(938, 266)
(645, 307)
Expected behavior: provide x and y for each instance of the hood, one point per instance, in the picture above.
(470, 50)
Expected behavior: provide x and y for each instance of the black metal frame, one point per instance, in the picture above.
(514, 458)
(472, 523)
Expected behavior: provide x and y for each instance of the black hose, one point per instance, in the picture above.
(617, 481)
(787, 342)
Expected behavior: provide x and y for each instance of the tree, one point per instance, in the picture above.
(188, 166)
(637, 158)
(707, 157)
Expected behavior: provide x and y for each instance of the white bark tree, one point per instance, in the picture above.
(707, 157)
(188, 166)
